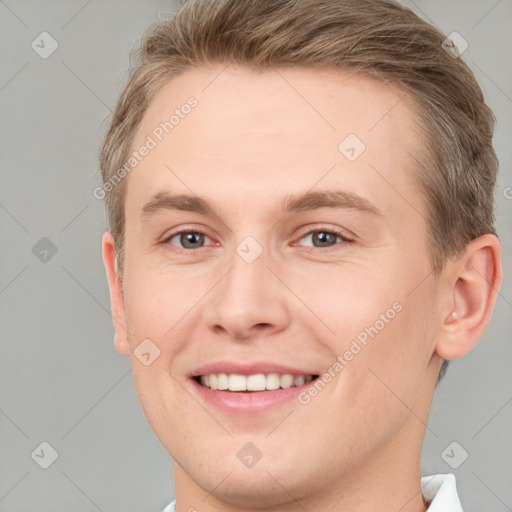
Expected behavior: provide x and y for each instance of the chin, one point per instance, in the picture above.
(243, 488)
(266, 483)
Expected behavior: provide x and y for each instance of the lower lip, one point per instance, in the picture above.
(247, 403)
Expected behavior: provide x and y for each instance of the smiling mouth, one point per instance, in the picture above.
(252, 383)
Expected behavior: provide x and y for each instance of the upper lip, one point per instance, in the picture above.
(245, 368)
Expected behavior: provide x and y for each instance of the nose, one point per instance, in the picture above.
(249, 300)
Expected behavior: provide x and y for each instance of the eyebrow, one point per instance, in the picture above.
(163, 201)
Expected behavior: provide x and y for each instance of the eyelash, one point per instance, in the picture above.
(331, 231)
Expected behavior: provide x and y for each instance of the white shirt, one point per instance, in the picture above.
(440, 492)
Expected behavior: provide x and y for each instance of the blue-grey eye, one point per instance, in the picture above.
(189, 239)
(324, 238)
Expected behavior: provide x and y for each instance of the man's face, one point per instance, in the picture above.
(256, 284)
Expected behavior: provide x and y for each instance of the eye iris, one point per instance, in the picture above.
(324, 238)
(191, 240)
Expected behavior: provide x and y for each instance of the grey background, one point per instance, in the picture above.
(61, 379)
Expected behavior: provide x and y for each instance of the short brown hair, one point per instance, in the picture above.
(380, 38)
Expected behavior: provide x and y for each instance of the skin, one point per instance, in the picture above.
(253, 139)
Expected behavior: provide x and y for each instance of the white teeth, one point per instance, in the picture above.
(286, 381)
(272, 381)
(256, 382)
(237, 382)
(222, 381)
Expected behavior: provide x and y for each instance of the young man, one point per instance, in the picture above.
(300, 196)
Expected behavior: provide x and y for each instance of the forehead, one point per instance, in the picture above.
(273, 133)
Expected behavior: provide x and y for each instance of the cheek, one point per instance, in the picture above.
(378, 335)
(156, 299)
(341, 303)
(376, 389)
(160, 397)
(392, 367)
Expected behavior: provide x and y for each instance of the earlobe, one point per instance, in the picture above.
(116, 294)
(474, 281)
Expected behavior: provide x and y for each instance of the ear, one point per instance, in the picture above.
(116, 294)
(472, 284)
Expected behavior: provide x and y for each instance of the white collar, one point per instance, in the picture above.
(440, 491)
